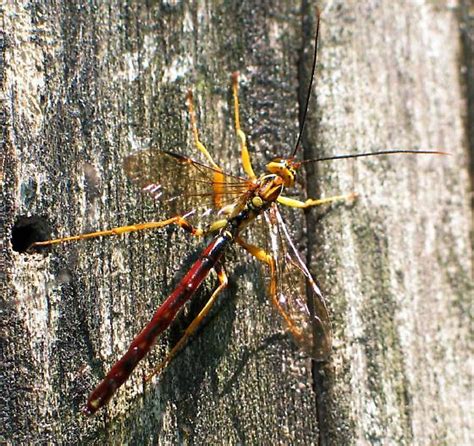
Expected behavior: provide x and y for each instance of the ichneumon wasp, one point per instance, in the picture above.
(237, 202)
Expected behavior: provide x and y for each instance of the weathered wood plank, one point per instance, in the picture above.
(85, 85)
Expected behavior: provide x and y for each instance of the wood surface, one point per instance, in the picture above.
(86, 83)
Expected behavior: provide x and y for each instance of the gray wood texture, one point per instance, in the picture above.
(86, 83)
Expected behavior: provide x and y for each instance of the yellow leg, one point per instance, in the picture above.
(247, 164)
(180, 221)
(194, 324)
(199, 145)
(311, 202)
(218, 177)
(263, 256)
(258, 253)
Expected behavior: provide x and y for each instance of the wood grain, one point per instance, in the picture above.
(86, 84)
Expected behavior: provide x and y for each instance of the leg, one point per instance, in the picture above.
(258, 253)
(264, 257)
(199, 145)
(194, 324)
(311, 202)
(180, 221)
(240, 134)
(218, 179)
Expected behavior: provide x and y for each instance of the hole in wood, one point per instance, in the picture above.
(28, 230)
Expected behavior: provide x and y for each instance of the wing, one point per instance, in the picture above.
(295, 293)
(181, 182)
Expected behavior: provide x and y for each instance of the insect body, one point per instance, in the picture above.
(240, 201)
(254, 197)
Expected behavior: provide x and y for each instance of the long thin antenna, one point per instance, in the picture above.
(382, 152)
(308, 95)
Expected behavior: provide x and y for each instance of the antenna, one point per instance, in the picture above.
(308, 95)
(382, 152)
(303, 121)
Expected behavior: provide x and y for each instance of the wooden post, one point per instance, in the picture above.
(86, 84)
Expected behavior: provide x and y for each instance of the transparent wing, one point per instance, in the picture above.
(181, 182)
(295, 293)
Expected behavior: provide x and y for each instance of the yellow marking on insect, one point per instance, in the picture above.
(219, 224)
(282, 168)
(95, 403)
(229, 235)
(257, 202)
